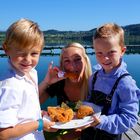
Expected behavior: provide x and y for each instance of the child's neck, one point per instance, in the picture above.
(30, 77)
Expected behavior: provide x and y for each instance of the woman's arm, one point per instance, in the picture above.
(50, 78)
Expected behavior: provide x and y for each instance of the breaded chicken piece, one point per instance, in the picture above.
(84, 111)
(59, 114)
(70, 75)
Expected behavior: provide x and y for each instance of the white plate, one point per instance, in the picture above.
(75, 123)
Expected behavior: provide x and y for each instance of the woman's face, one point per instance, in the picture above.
(73, 61)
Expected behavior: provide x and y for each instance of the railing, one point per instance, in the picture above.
(55, 50)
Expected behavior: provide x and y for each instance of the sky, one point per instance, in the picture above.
(70, 15)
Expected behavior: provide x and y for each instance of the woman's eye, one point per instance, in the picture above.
(78, 59)
(66, 61)
(99, 53)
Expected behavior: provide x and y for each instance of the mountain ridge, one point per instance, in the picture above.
(54, 37)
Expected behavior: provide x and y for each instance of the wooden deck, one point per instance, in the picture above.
(134, 133)
(55, 50)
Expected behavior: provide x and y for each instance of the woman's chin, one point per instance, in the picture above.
(76, 80)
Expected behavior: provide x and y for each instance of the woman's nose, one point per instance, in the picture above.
(72, 66)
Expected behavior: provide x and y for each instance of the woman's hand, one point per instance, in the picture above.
(50, 78)
(52, 75)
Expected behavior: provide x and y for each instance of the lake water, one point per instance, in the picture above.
(132, 60)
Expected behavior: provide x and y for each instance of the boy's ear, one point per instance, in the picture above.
(123, 49)
(5, 48)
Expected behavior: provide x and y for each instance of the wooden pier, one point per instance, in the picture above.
(134, 133)
(55, 50)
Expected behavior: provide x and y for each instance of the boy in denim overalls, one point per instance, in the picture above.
(111, 87)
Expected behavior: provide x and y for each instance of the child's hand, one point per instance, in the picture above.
(47, 126)
(93, 124)
(96, 121)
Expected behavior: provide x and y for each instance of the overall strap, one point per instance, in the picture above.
(94, 79)
(109, 97)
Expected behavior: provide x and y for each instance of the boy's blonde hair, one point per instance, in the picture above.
(110, 30)
(88, 70)
(24, 34)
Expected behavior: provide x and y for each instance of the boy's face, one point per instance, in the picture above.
(24, 60)
(108, 53)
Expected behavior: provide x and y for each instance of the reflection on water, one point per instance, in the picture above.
(132, 61)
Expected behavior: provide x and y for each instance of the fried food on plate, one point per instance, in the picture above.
(60, 114)
(84, 111)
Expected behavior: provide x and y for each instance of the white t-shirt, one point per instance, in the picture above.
(19, 101)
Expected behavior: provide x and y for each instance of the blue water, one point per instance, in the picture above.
(132, 61)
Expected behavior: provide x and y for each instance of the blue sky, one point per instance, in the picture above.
(66, 15)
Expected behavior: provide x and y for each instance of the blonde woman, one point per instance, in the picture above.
(73, 59)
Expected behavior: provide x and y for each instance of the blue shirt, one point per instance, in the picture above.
(125, 104)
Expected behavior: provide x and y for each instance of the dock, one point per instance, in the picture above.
(133, 133)
(56, 50)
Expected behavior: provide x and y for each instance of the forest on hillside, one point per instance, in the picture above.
(55, 37)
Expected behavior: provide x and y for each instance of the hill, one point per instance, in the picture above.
(133, 29)
(56, 37)
(132, 35)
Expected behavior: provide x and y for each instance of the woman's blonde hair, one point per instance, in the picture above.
(88, 70)
(24, 34)
(110, 30)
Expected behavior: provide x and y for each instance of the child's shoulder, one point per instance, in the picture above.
(8, 78)
(127, 82)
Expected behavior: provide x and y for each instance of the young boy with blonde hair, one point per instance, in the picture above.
(20, 113)
(111, 87)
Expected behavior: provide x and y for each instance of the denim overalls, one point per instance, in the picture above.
(101, 99)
